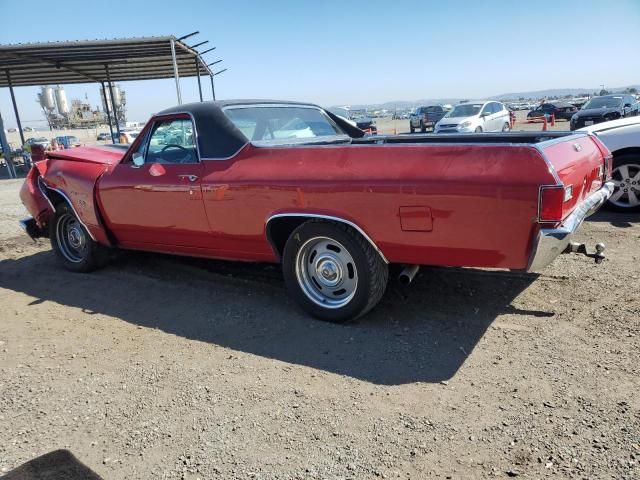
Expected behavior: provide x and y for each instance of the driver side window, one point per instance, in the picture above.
(172, 141)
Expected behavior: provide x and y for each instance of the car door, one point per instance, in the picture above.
(498, 117)
(491, 118)
(157, 200)
(485, 117)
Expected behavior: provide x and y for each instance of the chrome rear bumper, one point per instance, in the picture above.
(551, 242)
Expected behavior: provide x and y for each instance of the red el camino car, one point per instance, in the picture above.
(269, 181)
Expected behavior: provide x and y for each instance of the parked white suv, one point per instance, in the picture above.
(469, 117)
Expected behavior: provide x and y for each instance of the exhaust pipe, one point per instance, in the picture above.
(408, 274)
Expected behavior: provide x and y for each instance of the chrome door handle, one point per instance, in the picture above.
(192, 178)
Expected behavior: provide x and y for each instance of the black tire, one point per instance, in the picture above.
(371, 272)
(632, 162)
(506, 127)
(478, 130)
(72, 244)
(411, 129)
(423, 128)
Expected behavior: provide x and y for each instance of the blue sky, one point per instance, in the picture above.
(351, 52)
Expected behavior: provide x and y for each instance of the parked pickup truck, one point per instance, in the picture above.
(426, 117)
(268, 181)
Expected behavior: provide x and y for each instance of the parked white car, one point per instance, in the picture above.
(622, 138)
(469, 117)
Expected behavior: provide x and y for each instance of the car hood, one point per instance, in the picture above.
(454, 120)
(596, 112)
(107, 154)
(363, 122)
(622, 122)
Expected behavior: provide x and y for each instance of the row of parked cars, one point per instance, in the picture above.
(492, 116)
(597, 110)
(613, 118)
(468, 117)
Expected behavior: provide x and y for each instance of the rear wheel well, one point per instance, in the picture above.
(279, 229)
(626, 151)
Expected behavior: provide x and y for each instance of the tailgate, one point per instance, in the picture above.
(582, 164)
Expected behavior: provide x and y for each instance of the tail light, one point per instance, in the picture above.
(551, 202)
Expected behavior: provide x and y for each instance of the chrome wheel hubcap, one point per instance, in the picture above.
(71, 239)
(627, 185)
(326, 272)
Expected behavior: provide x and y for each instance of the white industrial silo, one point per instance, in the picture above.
(46, 98)
(61, 101)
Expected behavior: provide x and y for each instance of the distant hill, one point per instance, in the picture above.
(537, 94)
(558, 92)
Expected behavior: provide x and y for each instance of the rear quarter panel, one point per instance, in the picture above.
(577, 161)
(482, 198)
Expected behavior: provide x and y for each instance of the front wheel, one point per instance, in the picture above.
(626, 176)
(478, 130)
(333, 272)
(72, 244)
(423, 127)
(505, 127)
(411, 129)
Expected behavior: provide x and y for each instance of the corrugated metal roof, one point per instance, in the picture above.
(84, 61)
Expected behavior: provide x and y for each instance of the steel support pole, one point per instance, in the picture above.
(106, 107)
(113, 103)
(175, 70)
(6, 150)
(15, 108)
(199, 83)
(213, 89)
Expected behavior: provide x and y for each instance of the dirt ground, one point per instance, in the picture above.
(160, 367)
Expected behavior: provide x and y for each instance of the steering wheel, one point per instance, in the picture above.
(173, 145)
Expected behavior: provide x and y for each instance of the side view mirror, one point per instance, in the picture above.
(484, 114)
(138, 160)
(627, 105)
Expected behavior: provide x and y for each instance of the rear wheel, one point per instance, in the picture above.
(423, 128)
(72, 244)
(411, 129)
(332, 271)
(505, 127)
(478, 130)
(626, 176)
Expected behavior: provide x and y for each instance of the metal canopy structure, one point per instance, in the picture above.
(100, 61)
(84, 61)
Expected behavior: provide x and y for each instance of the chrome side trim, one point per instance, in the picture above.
(226, 158)
(552, 169)
(44, 194)
(68, 200)
(335, 219)
(551, 242)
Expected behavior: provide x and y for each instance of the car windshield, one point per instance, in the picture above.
(465, 110)
(430, 109)
(603, 102)
(267, 123)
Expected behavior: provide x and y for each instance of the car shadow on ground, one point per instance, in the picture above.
(616, 219)
(420, 333)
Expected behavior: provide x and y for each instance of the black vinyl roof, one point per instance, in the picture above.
(83, 61)
(219, 138)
